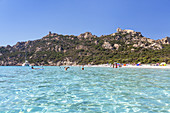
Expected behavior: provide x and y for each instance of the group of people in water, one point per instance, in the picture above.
(69, 67)
(115, 65)
(64, 68)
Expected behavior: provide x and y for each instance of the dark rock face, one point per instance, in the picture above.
(55, 49)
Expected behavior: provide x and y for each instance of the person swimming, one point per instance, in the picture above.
(66, 68)
(36, 68)
(32, 67)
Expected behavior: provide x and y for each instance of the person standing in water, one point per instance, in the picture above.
(82, 67)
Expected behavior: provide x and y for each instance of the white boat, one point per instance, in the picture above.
(26, 63)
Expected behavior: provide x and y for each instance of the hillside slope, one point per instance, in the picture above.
(124, 46)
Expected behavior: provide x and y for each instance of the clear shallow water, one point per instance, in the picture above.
(92, 90)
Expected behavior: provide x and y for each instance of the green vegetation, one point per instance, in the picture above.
(84, 51)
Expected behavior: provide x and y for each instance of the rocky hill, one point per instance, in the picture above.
(125, 46)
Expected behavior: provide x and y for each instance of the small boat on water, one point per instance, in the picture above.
(26, 63)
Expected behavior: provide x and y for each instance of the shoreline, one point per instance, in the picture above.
(144, 66)
(148, 67)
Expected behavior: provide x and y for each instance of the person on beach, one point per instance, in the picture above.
(66, 68)
(116, 65)
(113, 65)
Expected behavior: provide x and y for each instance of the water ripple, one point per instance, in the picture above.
(91, 90)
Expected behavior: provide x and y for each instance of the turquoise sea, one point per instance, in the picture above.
(94, 90)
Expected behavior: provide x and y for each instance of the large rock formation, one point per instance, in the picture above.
(55, 49)
(119, 30)
(165, 40)
(86, 35)
(127, 31)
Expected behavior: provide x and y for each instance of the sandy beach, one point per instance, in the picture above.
(132, 66)
(148, 66)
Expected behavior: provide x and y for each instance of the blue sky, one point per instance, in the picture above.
(22, 20)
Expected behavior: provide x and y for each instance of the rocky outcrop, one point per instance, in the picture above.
(117, 46)
(165, 40)
(136, 38)
(150, 40)
(55, 49)
(119, 30)
(96, 42)
(51, 34)
(107, 45)
(86, 35)
(154, 46)
(58, 48)
(132, 49)
(38, 49)
(81, 47)
(135, 45)
(127, 31)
